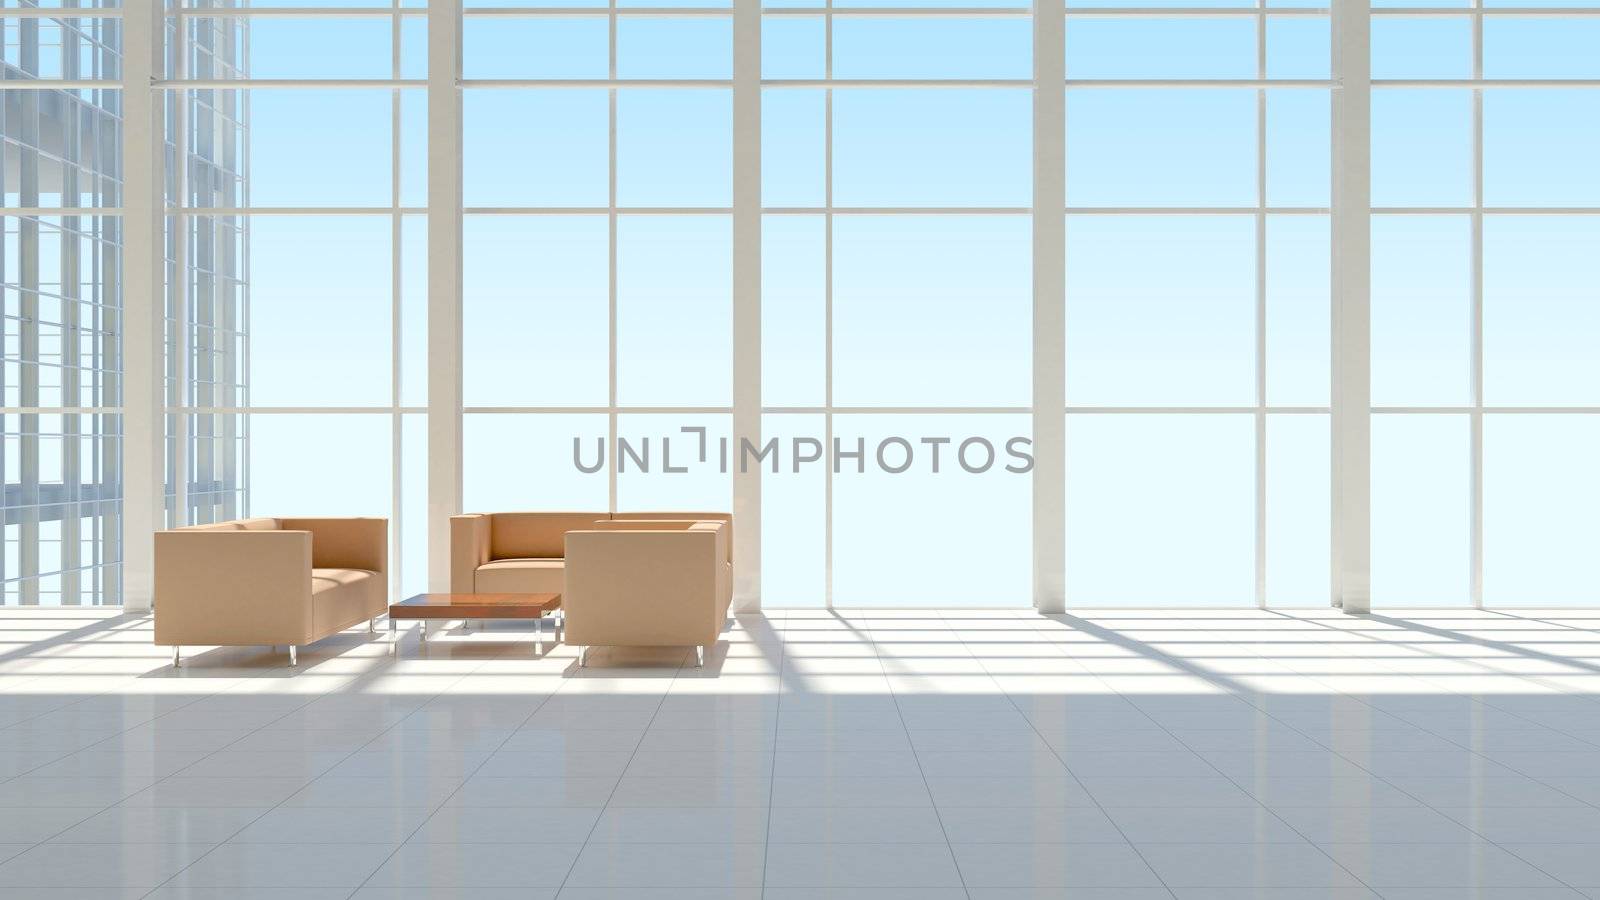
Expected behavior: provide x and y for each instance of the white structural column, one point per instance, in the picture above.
(1049, 306)
(1352, 306)
(747, 299)
(143, 406)
(444, 283)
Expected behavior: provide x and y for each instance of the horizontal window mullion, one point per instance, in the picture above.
(1203, 83)
(596, 12)
(1496, 410)
(898, 210)
(597, 210)
(1077, 410)
(294, 410)
(296, 12)
(1428, 11)
(597, 410)
(1197, 210)
(1496, 83)
(294, 210)
(1486, 210)
(228, 84)
(599, 83)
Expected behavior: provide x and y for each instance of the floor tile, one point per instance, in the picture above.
(97, 865)
(1530, 825)
(1279, 894)
(39, 823)
(1457, 865)
(476, 865)
(1245, 866)
(634, 790)
(861, 865)
(1515, 791)
(353, 824)
(663, 894)
(1379, 825)
(1052, 865)
(1482, 894)
(180, 791)
(181, 892)
(855, 824)
(508, 825)
(690, 825)
(161, 825)
(1310, 790)
(850, 791)
(1123, 791)
(28, 791)
(1202, 825)
(1572, 863)
(1008, 790)
(668, 865)
(285, 865)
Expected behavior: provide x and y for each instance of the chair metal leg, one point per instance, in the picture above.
(422, 630)
(394, 638)
(177, 657)
(293, 658)
(583, 657)
(372, 625)
(699, 656)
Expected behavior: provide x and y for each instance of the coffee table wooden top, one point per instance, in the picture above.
(475, 606)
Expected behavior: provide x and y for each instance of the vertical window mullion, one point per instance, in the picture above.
(444, 283)
(611, 278)
(1476, 490)
(1352, 323)
(747, 295)
(1261, 311)
(827, 309)
(1049, 305)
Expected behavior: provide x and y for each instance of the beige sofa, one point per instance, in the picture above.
(269, 581)
(527, 552)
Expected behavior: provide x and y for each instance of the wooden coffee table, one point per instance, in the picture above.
(425, 607)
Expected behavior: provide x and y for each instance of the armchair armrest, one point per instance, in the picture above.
(469, 549)
(232, 587)
(346, 543)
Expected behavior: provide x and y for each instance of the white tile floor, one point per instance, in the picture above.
(992, 755)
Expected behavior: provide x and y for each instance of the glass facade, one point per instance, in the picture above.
(1485, 305)
(60, 275)
(898, 221)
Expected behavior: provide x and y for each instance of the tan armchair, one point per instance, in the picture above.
(524, 552)
(647, 583)
(269, 581)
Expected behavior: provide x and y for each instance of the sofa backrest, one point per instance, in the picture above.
(698, 516)
(538, 535)
(542, 535)
(259, 523)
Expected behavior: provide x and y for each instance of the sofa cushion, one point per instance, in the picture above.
(521, 576)
(535, 535)
(342, 597)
